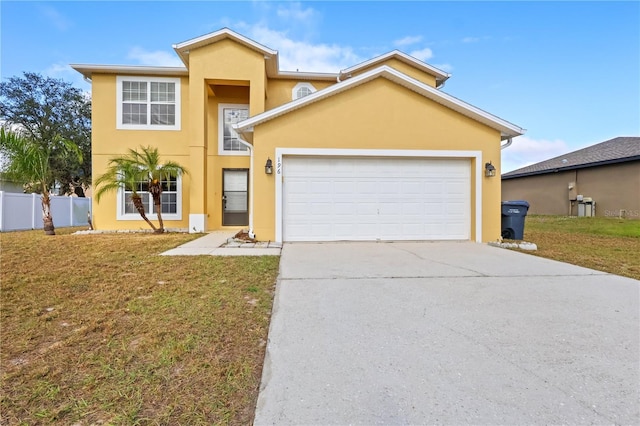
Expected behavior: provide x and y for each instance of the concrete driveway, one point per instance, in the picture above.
(447, 333)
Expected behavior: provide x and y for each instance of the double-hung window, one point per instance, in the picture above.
(228, 139)
(148, 103)
(170, 200)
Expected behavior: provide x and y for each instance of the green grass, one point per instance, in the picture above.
(612, 227)
(99, 329)
(605, 244)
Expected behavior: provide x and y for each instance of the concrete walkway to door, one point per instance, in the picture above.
(447, 333)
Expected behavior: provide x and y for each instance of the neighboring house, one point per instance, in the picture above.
(9, 186)
(600, 180)
(376, 152)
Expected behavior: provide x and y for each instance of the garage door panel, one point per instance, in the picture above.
(342, 186)
(389, 188)
(326, 199)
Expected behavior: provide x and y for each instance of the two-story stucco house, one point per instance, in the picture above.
(375, 152)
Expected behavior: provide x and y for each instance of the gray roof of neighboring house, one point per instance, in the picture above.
(616, 150)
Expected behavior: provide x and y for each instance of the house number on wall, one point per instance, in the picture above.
(279, 165)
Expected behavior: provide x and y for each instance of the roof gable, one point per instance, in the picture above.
(616, 150)
(440, 75)
(270, 55)
(507, 130)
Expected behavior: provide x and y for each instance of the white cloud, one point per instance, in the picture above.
(526, 151)
(65, 72)
(444, 67)
(471, 39)
(159, 58)
(58, 20)
(422, 54)
(58, 70)
(303, 55)
(407, 41)
(296, 12)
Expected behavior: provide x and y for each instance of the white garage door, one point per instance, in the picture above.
(334, 199)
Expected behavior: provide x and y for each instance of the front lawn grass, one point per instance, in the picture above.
(99, 329)
(605, 244)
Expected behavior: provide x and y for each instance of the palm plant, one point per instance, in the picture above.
(28, 161)
(143, 165)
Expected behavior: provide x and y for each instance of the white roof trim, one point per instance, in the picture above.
(429, 69)
(182, 49)
(220, 34)
(88, 70)
(506, 129)
(302, 75)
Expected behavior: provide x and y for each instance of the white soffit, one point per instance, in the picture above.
(88, 70)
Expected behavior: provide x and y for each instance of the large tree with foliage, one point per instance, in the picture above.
(46, 111)
(27, 160)
(139, 166)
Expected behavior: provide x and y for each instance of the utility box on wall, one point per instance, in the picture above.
(573, 191)
(586, 206)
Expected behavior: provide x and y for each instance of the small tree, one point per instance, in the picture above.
(129, 170)
(47, 110)
(30, 162)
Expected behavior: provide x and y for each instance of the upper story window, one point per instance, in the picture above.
(301, 90)
(228, 139)
(148, 103)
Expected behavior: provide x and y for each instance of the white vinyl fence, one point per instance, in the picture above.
(24, 211)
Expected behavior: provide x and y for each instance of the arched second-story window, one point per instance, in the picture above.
(301, 90)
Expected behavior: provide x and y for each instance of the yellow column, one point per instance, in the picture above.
(198, 156)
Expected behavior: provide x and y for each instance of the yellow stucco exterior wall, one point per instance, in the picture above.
(279, 91)
(107, 142)
(375, 115)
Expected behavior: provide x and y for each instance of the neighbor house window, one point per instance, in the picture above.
(228, 139)
(145, 103)
(301, 90)
(170, 200)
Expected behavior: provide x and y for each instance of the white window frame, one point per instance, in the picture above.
(121, 126)
(120, 204)
(294, 91)
(221, 150)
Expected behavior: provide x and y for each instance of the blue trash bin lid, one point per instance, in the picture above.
(520, 203)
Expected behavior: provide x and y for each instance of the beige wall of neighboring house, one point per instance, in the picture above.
(8, 186)
(613, 187)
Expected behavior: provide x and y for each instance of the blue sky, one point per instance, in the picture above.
(568, 72)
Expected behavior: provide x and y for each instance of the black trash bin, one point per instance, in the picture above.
(513, 214)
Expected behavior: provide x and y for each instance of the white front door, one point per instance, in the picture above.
(235, 208)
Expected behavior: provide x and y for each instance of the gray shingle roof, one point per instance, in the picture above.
(615, 150)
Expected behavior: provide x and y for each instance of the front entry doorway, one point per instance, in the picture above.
(235, 184)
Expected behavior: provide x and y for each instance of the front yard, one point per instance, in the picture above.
(98, 329)
(605, 244)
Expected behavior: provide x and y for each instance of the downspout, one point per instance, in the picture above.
(508, 144)
(250, 147)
